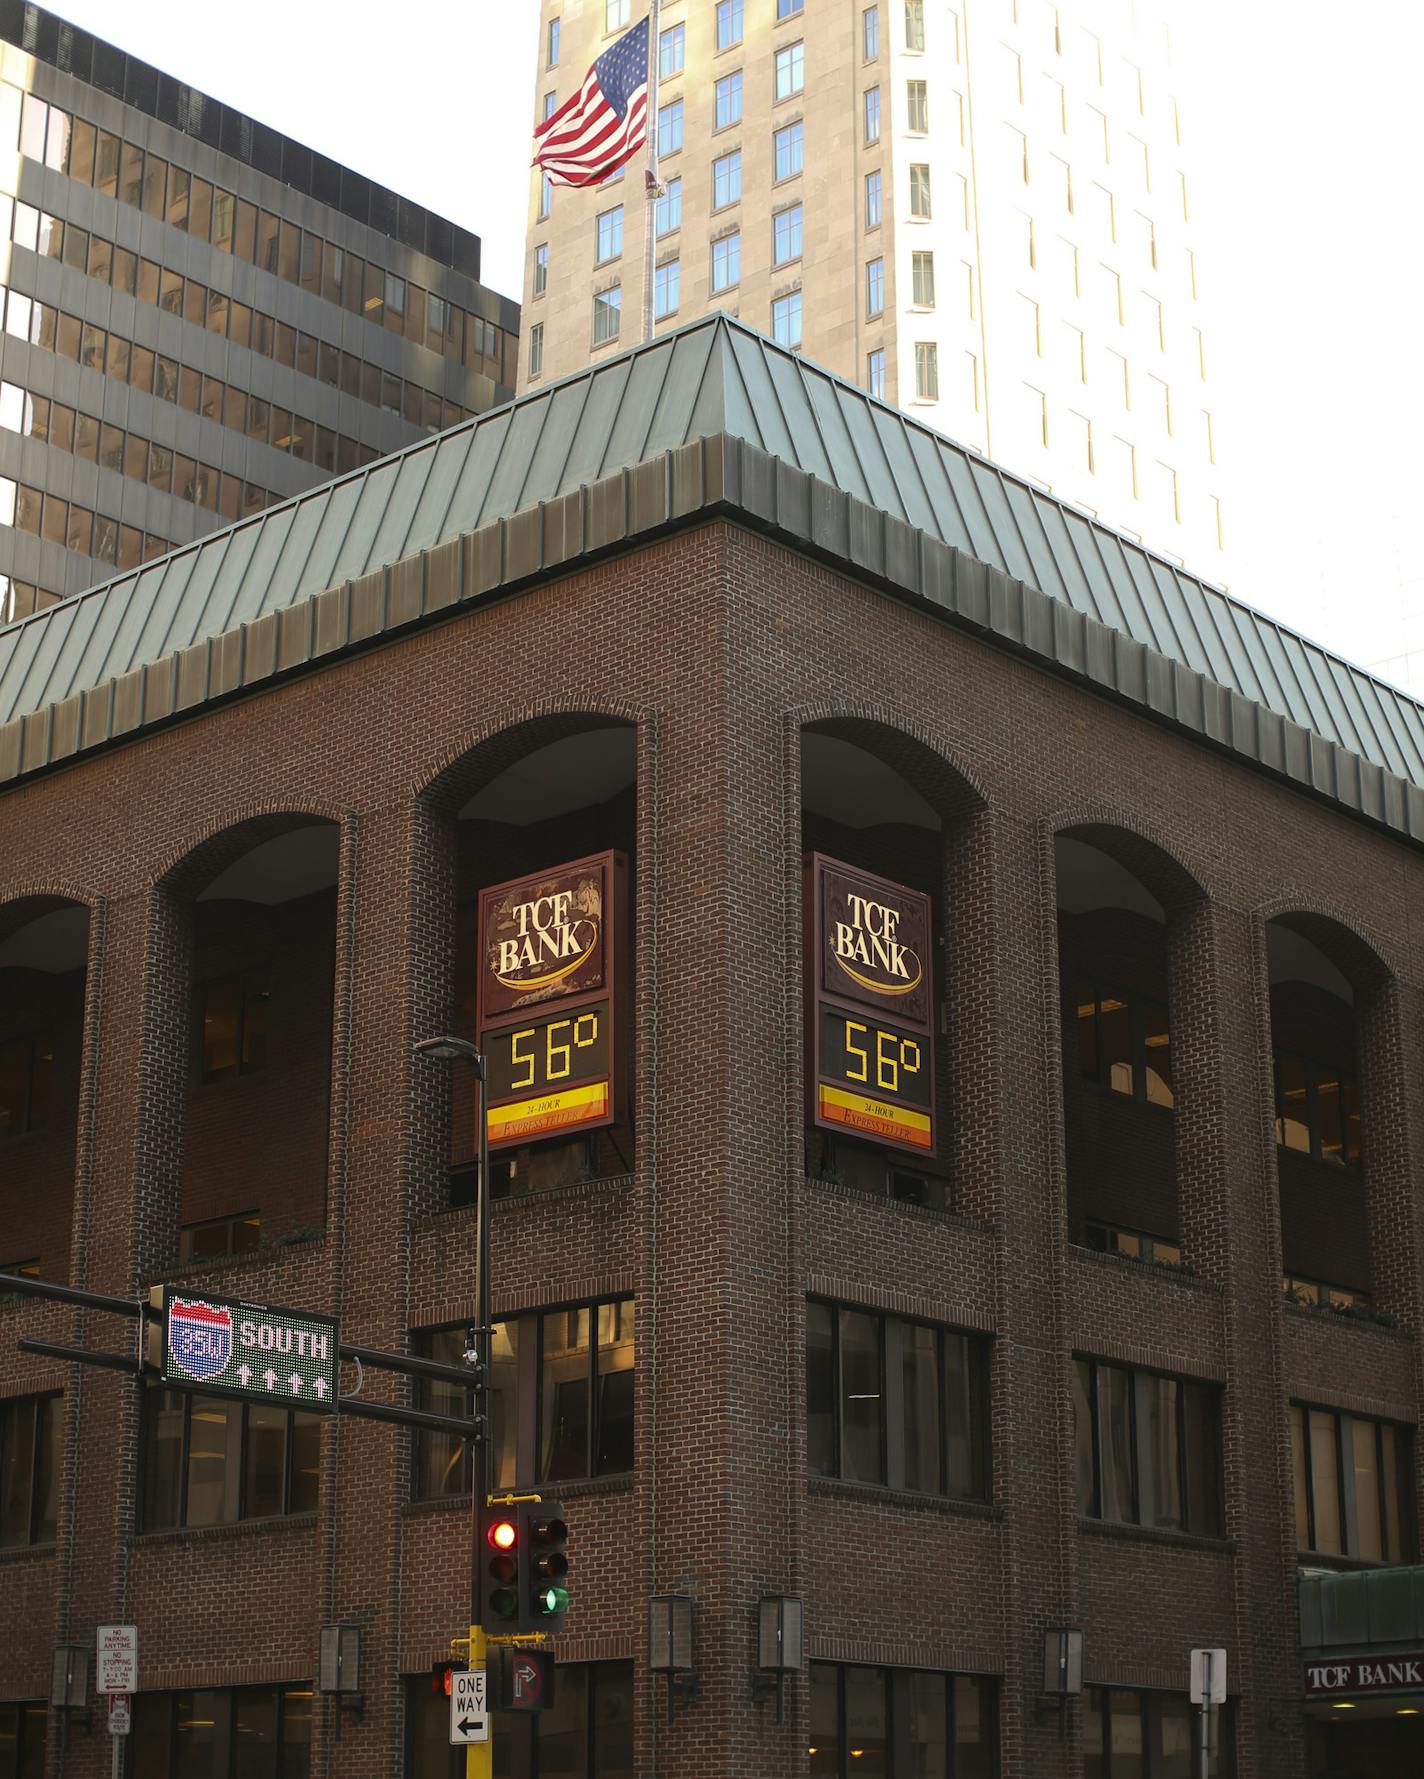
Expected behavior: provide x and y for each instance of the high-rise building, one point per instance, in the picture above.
(201, 316)
(979, 212)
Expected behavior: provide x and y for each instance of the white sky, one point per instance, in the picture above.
(1300, 124)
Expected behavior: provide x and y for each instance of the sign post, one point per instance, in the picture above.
(116, 1673)
(1208, 1689)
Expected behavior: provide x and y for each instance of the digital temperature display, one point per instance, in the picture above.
(874, 1079)
(548, 1076)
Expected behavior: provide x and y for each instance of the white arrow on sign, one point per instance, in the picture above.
(469, 1721)
(320, 1387)
(269, 1377)
(244, 1374)
(295, 1380)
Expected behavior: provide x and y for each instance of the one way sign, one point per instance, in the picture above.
(469, 1721)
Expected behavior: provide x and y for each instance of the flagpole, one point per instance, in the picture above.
(650, 233)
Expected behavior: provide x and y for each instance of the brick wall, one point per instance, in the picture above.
(717, 647)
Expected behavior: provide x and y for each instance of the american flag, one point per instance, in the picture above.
(605, 123)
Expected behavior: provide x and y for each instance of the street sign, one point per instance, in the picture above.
(252, 1350)
(521, 1679)
(120, 1714)
(1208, 1676)
(116, 1669)
(469, 1720)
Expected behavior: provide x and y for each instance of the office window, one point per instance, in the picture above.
(729, 23)
(665, 288)
(870, 33)
(727, 100)
(672, 45)
(1352, 1485)
(586, 1733)
(211, 1460)
(726, 261)
(551, 54)
(786, 319)
(1141, 1735)
(1317, 1110)
(22, 1737)
(670, 127)
(895, 1402)
(875, 373)
(26, 1070)
(875, 287)
(610, 233)
(541, 268)
(1148, 1448)
(789, 150)
(1125, 1045)
(790, 70)
(234, 1020)
(872, 114)
(876, 1721)
(30, 1433)
(872, 199)
(917, 105)
(551, 105)
(914, 24)
(669, 208)
(922, 280)
(926, 371)
(259, 1732)
(238, 1233)
(607, 314)
(786, 9)
(1133, 1244)
(727, 179)
(786, 235)
(546, 197)
(562, 1399)
(1311, 1293)
(616, 14)
(919, 189)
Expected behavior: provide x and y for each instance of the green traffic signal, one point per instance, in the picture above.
(553, 1600)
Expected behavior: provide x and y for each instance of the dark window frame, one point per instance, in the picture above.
(1345, 1484)
(26, 1716)
(528, 1398)
(31, 1042)
(892, 1426)
(1139, 1009)
(1097, 1709)
(896, 1684)
(281, 1765)
(1199, 1518)
(151, 1394)
(1314, 1069)
(252, 981)
(231, 1221)
(48, 1430)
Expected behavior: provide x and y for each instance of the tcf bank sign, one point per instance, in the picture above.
(1366, 1674)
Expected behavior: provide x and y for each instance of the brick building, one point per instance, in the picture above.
(1129, 1346)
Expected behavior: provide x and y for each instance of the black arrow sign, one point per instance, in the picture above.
(466, 1724)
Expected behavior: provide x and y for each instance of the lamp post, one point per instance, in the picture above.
(450, 1049)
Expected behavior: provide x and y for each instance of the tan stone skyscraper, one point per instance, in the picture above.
(980, 212)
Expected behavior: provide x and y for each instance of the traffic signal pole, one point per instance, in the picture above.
(479, 1756)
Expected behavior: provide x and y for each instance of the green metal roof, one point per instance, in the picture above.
(711, 379)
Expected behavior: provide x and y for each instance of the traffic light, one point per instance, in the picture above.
(544, 1565)
(442, 1683)
(502, 1547)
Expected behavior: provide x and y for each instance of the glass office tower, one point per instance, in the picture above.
(201, 316)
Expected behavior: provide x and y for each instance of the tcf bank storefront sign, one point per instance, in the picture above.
(549, 1011)
(1365, 1715)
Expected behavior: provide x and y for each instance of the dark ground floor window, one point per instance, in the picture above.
(22, 1739)
(1140, 1735)
(587, 1733)
(249, 1732)
(901, 1723)
(30, 1433)
(1352, 1485)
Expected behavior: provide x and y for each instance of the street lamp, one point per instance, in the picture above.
(444, 1048)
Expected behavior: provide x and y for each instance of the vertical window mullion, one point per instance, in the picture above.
(1096, 1414)
(838, 1384)
(1345, 1482)
(1143, 1473)
(884, 1398)
(1184, 1473)
(892, 1409)
(1309, 1474)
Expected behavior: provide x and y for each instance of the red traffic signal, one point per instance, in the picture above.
(501, 1554)
(442, 1674)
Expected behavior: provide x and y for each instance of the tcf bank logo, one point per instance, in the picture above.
(199, 1338)
(866, 948)
(552, 936)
